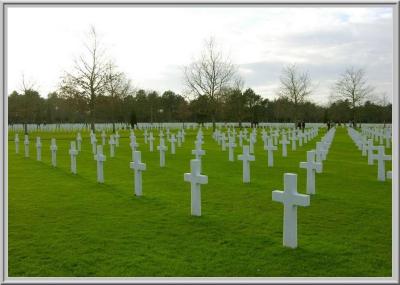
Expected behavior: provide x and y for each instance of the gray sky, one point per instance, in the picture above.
(152, 44)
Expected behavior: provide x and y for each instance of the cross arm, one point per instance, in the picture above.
(303, 164)
(301, 200)
(277, 196)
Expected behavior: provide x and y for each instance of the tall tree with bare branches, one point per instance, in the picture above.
(352, 86)
(209, 75)
(117, 86)
(29, 102)
(88, 76)
(295, 86)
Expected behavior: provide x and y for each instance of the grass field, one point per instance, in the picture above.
(60, 224)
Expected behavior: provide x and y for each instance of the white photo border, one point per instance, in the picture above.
(4, 279)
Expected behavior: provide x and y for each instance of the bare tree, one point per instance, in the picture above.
(295, 86)
(209, 75)
(384, 99)
(27, 88)
(89, 74)
(352, 86)
(117, 86)
(27, 84)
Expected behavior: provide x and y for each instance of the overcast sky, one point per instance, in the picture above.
(151, 45)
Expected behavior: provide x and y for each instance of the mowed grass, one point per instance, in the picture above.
(60, 224)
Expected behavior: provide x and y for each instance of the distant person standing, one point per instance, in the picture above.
(328, 124)
(303, 126)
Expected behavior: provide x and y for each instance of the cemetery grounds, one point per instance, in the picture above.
(65, 225)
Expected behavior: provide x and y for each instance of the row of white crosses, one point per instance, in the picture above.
(378, 134)
(270, 142)
(73, 151)
(53, 149)
(246, 157)
(367, 148)
(179, 139)
(99, 156)
(79, 127)
(291, 199)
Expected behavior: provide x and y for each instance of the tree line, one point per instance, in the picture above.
(95, 90)
(152, 107)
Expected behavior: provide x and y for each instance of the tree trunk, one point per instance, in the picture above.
(213, 122)
(91, 111)
(92, 125)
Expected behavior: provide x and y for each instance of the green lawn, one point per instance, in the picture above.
(61, 224)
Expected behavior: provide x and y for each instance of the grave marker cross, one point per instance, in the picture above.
(290, 200)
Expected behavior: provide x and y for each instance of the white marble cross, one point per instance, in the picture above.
(183, 135)
(179, 137)
(231, 146)
(93, 141)
(240, 139)
(133, 146)
(388, 137)
(364, 146)
(294, 140)
(284, 142)
(380, 138)
(162, 148)
(265, 138)
(103, 137)
(300, 137)
(223, 142)
(195, 179)
(172, 140)
(275, 136)
(290, 200)
(381, 157)
(38, 149)
(138, 166)
(311, 167)
(16, 140)
(198, 152)
(320, 152)
(26, 145)
(73, 152)
(270, 149)
(370, 149)
(116, 138)
(218, 136)
(305, 136)
(100, 158)
(53, 148)
(246, 158)
(112, 142)
(252, 141)
(79, 141)
(151, 140)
